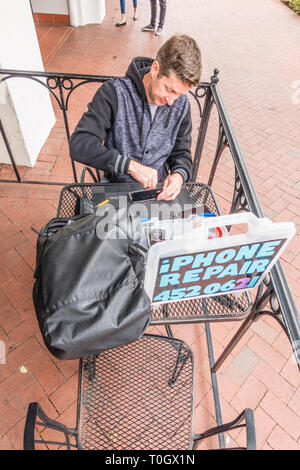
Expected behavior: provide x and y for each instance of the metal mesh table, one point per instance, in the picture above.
(227, 307)
(133, 397)
(137, 397)
(199, 194)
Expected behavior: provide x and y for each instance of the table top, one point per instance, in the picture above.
(227, 307)
(137, 397)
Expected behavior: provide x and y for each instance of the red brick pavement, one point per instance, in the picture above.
(255, 46)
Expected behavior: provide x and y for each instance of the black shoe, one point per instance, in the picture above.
(121, 24)
(135, 18)
(149, 27)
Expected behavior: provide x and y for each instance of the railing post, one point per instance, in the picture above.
(208, 103)
(9, 150)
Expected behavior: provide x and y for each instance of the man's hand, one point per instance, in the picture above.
(143, 174)
(171, 187)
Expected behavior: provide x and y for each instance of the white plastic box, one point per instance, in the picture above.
(196, 266)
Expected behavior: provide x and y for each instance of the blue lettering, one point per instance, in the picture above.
(258, 266)
(268, 249)
(245, 266)
(212, 271)
(165, 266)
(226, 255)
(247, 252)
(206, 260)
(172, 279)
(212, 288)
(181, 261)
(230, 270)
(192, 276)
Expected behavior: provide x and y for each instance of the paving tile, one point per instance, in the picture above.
(66, 394)
(14, 384)
(242, 366)
(25, 329)
(285, 417)
(11, 415)
(46, 372)
(264, 424)
(249, 395)
(35, 393)
(5, 443)
(294, 404)
(265, 331)
(15, 293)
(203, 419)
(290, 372)
(68, 417)
(67, 368)
(264, 351)
(15, 435)
(201, 387)
(9, 317)
(274, 382)
(20, 356)
(279, 439)
(227, 387)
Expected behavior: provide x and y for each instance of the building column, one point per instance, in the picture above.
(25, 107)
(86, 11)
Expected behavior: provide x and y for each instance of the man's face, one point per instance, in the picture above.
(164, 90)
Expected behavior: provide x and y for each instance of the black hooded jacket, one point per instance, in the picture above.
(118, 127)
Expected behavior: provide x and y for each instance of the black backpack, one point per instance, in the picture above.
(88, 294)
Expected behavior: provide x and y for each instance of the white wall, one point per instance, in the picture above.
(25, 106)
(86, 11)
(59, 7)
(81, 11)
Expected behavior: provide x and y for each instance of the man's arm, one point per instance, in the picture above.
(86, 143)
(180, 159)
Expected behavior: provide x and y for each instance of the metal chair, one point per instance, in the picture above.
(133, 397)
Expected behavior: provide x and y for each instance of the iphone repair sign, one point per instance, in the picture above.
(187, 269)
(213, 272)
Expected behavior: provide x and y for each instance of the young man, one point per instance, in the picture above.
(138, 128)
(162, 15)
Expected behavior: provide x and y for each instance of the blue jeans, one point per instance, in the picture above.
(104, 180)
(122, 4)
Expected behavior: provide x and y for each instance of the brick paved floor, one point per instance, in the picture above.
(255, 45)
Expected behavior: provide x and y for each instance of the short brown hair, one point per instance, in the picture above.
(181, 54)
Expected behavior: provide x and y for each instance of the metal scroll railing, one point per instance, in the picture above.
(273, 297)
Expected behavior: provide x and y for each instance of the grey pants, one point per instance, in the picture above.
(162, 15)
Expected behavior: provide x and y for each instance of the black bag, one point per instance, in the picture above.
(84, 205)
(88, 294)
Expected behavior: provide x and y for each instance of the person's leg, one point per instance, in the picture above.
(123, 14)
(153, 12)
(122, 6)
(134, 9)
(162, 16)
(104, 180)
(151, 26)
